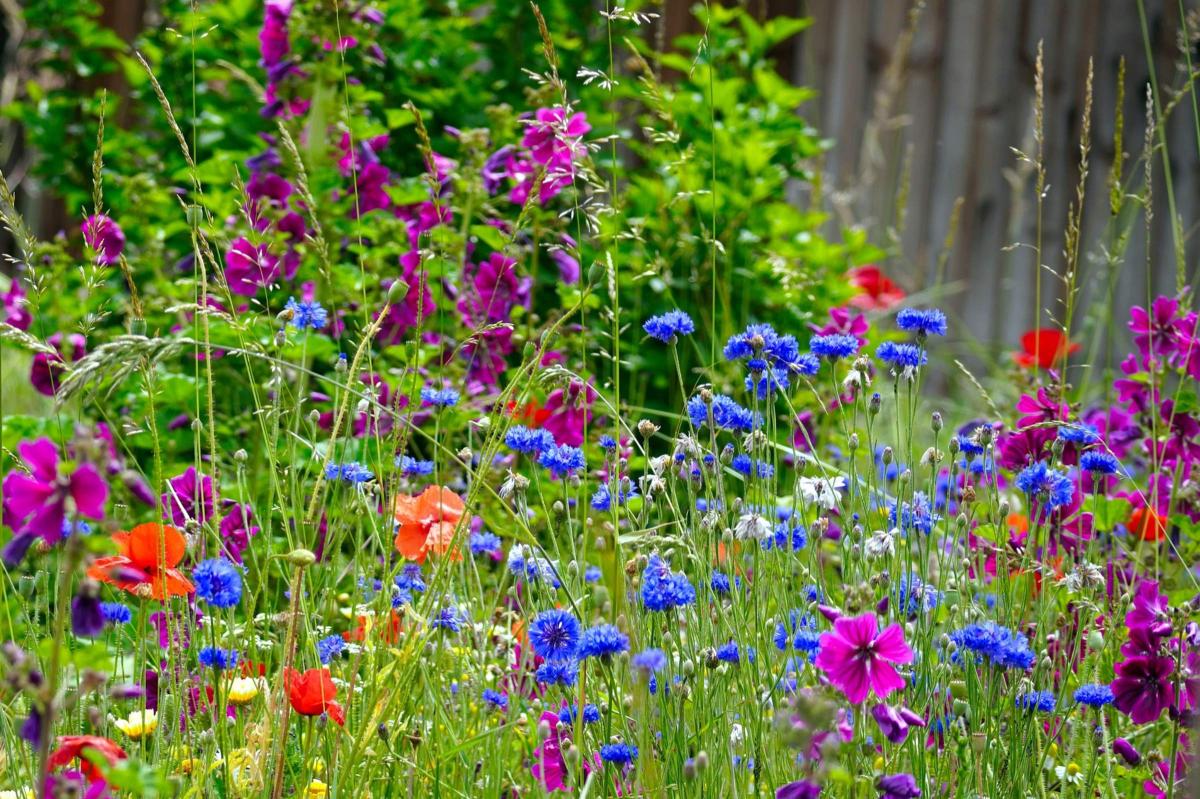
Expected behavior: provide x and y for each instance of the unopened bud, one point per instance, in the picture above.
(397, 292)
(301, 557)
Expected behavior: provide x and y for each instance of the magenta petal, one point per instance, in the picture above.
(859, 630)
(89, 491)
(884, 679)
(41, 457)
(23, 495)
(890, 645)
(853, 679)
(48, 522)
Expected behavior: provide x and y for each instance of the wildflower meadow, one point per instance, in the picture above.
(477, 400)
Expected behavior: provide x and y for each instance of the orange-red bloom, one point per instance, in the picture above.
(73, 746)
(1043, 348)
(877, 291)
(148, 556)
(426, 523)
(530, 414)
(313, 693)
(1147, 525)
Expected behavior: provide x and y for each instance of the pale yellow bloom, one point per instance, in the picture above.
(317, 790)
(243, 690)
(140, 723)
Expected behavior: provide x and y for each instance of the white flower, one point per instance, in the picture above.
(821, 491)
(881, 542)
(752, 525)
(736, 735)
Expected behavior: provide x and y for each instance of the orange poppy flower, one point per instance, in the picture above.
(138, 570)
(1017, 522)
(313, 693)
(426, 523)
(877, 291)
(73, 746)
(1147, 525)
(530, 414)
(1043, 348)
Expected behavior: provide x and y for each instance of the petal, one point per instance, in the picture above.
(890, 645)
(853, 680)
(148, 541)
(41, 457)
(884, 679)
(410, 541)
(24, 494)
(858, 631)
(89, 492)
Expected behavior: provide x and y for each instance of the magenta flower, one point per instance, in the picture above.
(237, 528)
(105, 237)
(549, 767)
(894, 723)
(1159, 332)
(249, 267)
(35, 502)
(45, 373)
(188, 496)
(12, 307)
(273, 38)
(417, 305)
(857, 657)
(550, 135)
(1143, 689)
(570, 409)
(800, 789)
(897, 786)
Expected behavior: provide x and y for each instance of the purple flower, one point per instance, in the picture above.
(87, 613)
(894, 723)
(45, 374)
(416, 306)
(35, 502)
(1143, 689)
(273, 38)
(1125, 749)
(105, 237)
(800, 789)
(12, 307)
(249, 267)
(1159, 331)
(237, 528)
(898, 786)
(188, 496)
(1148, 620)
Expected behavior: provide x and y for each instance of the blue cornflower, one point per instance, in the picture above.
(531, 442)
(439, 397)
(218, 582)
(562, 460)
(806, 364)
(1054, 487)
(308, 314)
(1094, 695)
(649, 660)
(411, 467)
(212, 657)
(352, 473)
(761, 341)
(607, 442)
(78, 526)
(924, 321)
(620, 754)
(329, 648)
(904, 359)
(1081, 434)
(523, 563)
(799, 633)
(554, 634)
(115, 613)
(834, 346)
(602, 641)
(1099, 462)
(719, 582)
(914, 515)
(746, 465)
(495, 699)
(602, 499)
(663, 589)
(1000, 645)
(592, 574)
(729, 653)
(767, 382)
(1036, 700)
(408, 582)
(484, 543)
(785, 537)
(914, 596)
(591, 713)
(726, 414)
(671, 324)
(448, 618)
(558, 672)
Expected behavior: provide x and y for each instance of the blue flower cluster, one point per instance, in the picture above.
(115, 613)
(923, 321)
(669, 325)
(998, 644)
(799, 633)
(834, 346)
(408, 582)
(1036, 700)
(913, 515)
(787, 536)
(591, 714)
(351, 473)
(562, 460)
(904, 359)
(602, 641)
(212, 657)
(554, 634)
(1098, 462)
(308, 313)
(1094, 695)
(1053, 487)
(522, 563)
(748, 466)
(602, 499)
(619, 754)
(726, 414)
(495, 699)
(663, 589)
(761, 341)
(649, 660)
(329, 648)
(1080, 434)
(913, 596)
(558, 672)
(449, 618)
(218, 582)
(411, 467)
(485, 543)
(530, 442)
(439, 397)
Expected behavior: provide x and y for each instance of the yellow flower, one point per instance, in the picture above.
(317, 790)
(140, 723)
(243, 690)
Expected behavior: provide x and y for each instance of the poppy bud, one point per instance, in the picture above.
(397, 292)
(300, 557)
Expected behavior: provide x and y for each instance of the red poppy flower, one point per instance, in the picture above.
(427, 522)
(877, 291)
(531, 414)
(312, 693)
(1043, 348)
(73, 746)
(138, 568)
(1147, 525)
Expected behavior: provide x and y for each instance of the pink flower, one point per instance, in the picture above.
(857, 657)
(416, 306)
(12, 307)
(249, 267)
(46, 371)
(105, 237)
(549, 767)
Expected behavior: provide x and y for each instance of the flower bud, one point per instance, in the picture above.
(397, 292)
